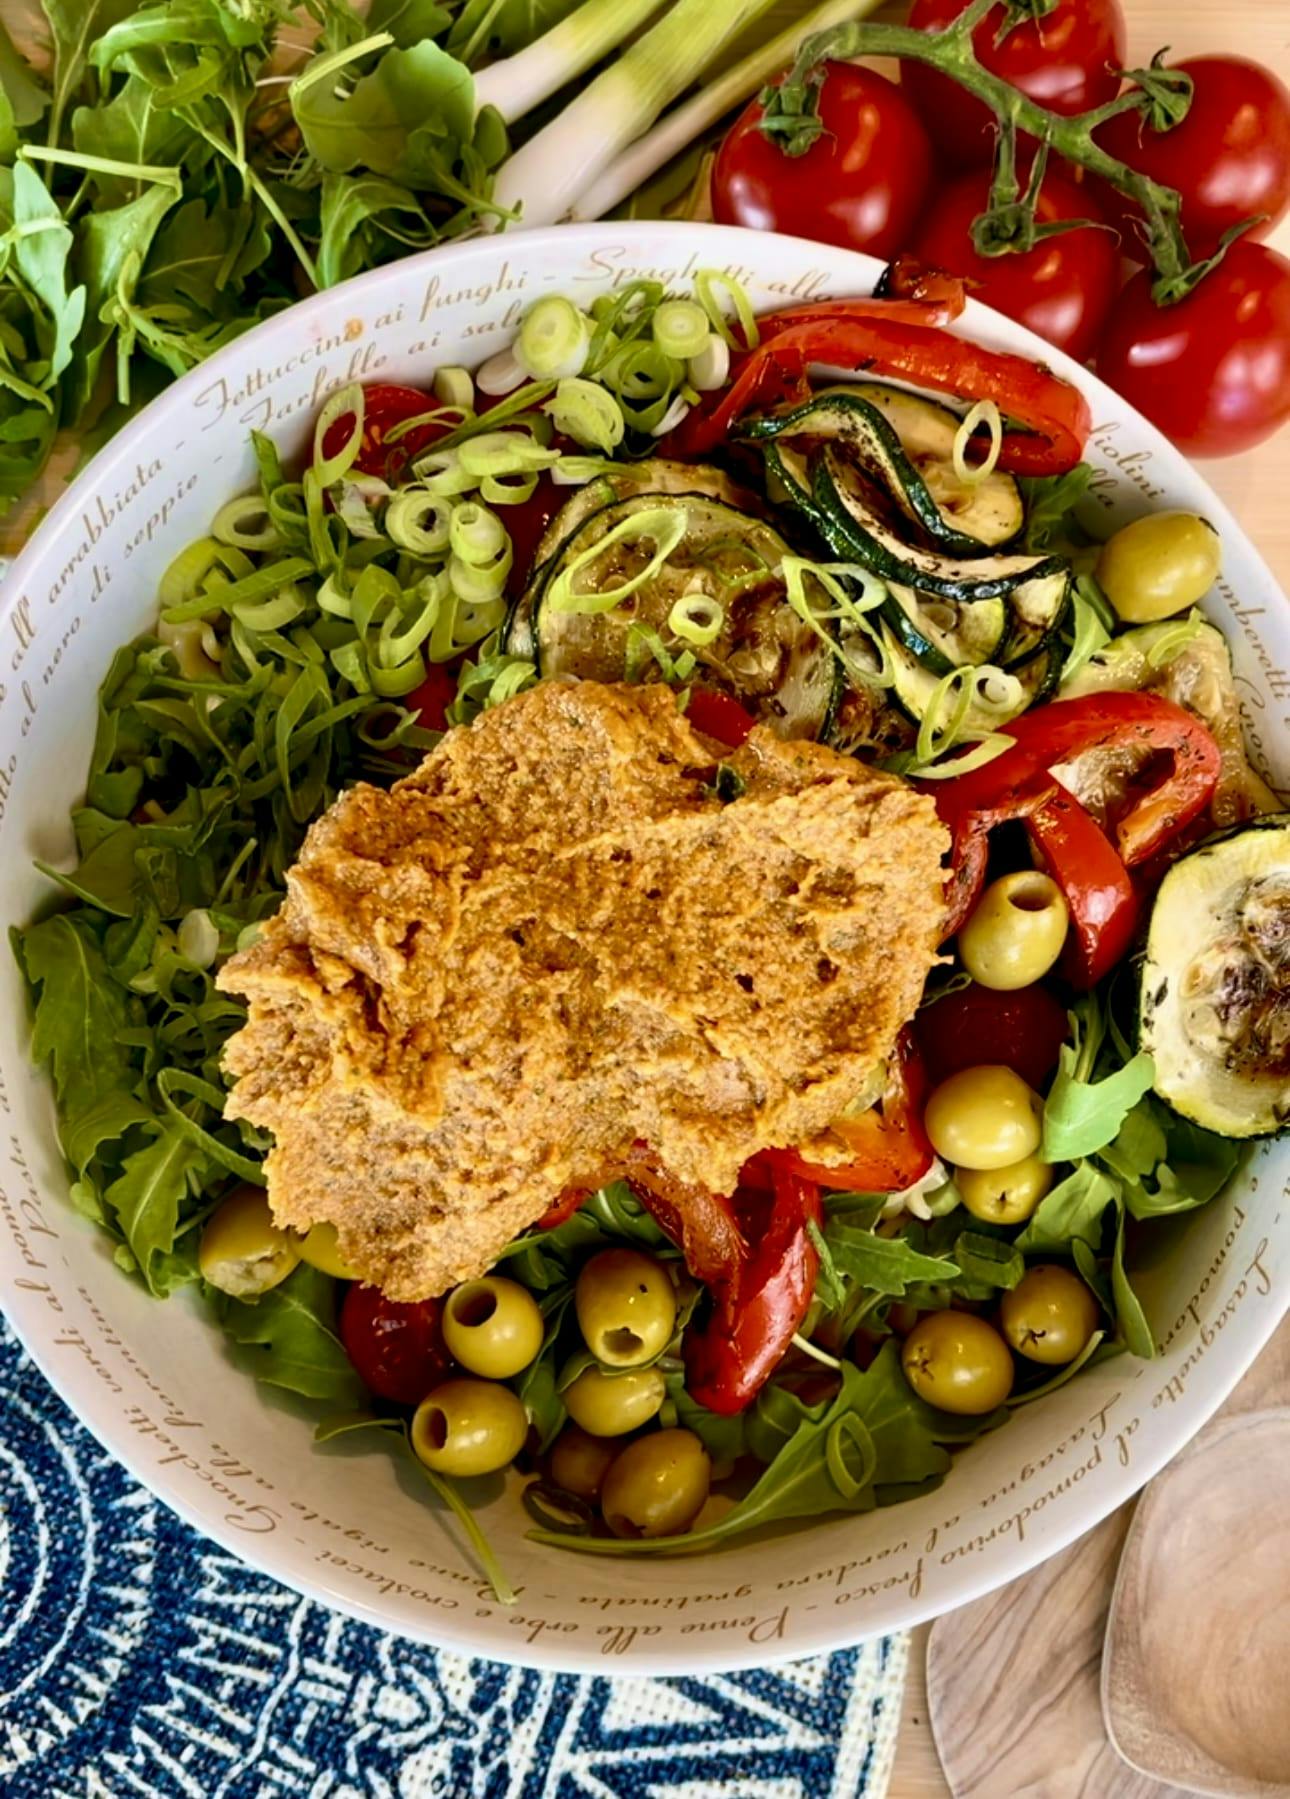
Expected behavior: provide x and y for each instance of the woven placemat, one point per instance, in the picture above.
(136, 1658)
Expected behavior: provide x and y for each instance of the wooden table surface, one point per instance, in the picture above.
(1255, 486)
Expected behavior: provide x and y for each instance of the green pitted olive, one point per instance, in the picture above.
(626, 1307)
(657, 1486)
(610, 1405)
(579, 1462)
(242, 1251)
(492, 1327)
(1004, 1195)
(984, 1117)
(1159, 565)
(1016, 932)
(958, 1362)
(469, 1427)
(1049, 1315)
(320, 1248)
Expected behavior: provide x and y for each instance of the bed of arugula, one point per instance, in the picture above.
(198, 796)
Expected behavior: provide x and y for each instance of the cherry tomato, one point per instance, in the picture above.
(1062, 289)
(384, 406)
(862, 184)
(397, 1349)
(1229, 158)
(1022, 1030)
(1212, 371)
(718, 716)
(1068, 60)
(432, 699)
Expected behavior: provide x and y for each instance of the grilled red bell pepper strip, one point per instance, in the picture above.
(718, 716)
(970, 822)
(887, 1147)
(1097, 887)
(903, 339)
(755, 1315)
(1065, 729)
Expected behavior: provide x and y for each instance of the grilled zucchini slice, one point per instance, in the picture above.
(765, 655)
(1214, 1001)
(905, 445)
(946, 634)
(913, 684)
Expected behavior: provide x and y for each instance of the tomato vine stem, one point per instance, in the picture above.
(1009, 224)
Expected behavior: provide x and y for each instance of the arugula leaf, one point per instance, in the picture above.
(40, 256)
(1050, 502)
(1092, 624)
(287, 1337)
(1082, 1116)
(1074, 1209)
(1131, 1318)
(26, 97)
(74, 24)
(882, 1264)
(349, 204)
(108, 241)
(989, 1263)
(724, 1438)
(409, 93)
(80, 1012)
(146, 1197)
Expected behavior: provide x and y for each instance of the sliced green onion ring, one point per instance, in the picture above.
(475, 583)
(455, 387)
(709, 368)
(441, 472)
(709, 286)
(986, 413)
(680, 329)
(348, 401)
(696, 618)
(503, 453)
(476, 535)
(847, 611)
(587, 414)
(554, 339)
(419, 521)
(508, 490)
(246, 524)
(663, 526)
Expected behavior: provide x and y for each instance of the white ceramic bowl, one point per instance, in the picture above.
(152, 1380)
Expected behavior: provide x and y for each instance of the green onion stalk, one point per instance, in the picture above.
(1163, 97)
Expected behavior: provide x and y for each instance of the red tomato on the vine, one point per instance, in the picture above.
(1212, 371)
(397, 1349)
(1062, 289)
(862, 183)
(1229, 158)
(1068, 60)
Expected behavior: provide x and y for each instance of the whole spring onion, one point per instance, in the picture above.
(709, 105)
(544, 179)
(532, 75)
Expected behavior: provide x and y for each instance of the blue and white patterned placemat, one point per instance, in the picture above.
(137, 1659)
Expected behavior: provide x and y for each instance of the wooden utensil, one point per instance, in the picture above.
(1198, 1635)
(1013, 1679)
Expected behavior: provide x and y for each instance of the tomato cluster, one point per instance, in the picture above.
(907, 168)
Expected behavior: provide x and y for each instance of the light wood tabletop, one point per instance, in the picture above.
(1254, 486)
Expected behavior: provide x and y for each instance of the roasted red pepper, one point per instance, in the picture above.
(904, 340)
(718, 716)
(1183, 764)
(1096, 885)
(887, 1147)
(757, 1312)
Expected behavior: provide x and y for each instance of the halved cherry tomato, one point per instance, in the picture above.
(525, 523)
(1022, 1030)
(887, 1147)
(1229, 158)
(384, 406)
(432, 699)
(718, 716)
(397, 1349)
(1213, 370)
(862, 184)
(1067, 58)
(1063, 288)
